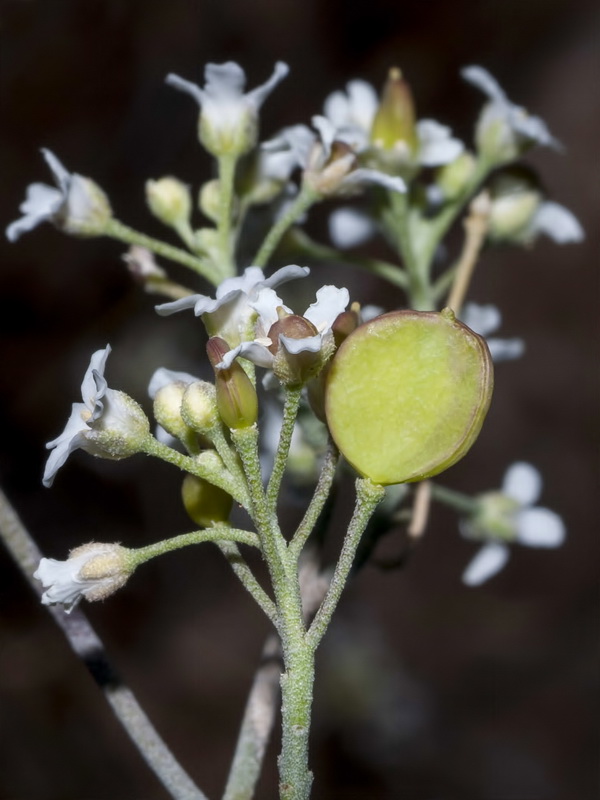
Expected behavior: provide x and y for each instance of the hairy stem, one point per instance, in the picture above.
(290, 412)
(305, 199)
(368, 497)
(117, 230)
(318, 500)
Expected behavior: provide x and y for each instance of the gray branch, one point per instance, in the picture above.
(88, 646)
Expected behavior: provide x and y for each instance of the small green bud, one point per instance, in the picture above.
(394, 125)
(209, 200)
(167, 410)
(199, 407)
(515, 200)
(407, 394)
(169, 200)
(205, 503)
(453, 178)
(237, 400)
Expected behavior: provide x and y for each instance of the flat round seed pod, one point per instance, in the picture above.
(407, 394)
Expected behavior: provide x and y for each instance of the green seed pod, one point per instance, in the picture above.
(407, 394)
(204, 502)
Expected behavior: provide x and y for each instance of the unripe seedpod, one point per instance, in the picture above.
(205, 503)
(394, 121)
(237, 401)
(407, 394)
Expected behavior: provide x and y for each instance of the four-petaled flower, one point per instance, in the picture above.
(108, 423)
(353, 113)
(231, 313)
(94, 571)
(509, 516)
(228, 117)
(328, 162)
(505, 130)
(270, 343)
(77, 206)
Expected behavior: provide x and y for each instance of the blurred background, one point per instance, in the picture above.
(426, 690)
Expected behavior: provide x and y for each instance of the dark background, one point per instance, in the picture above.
(426, 689)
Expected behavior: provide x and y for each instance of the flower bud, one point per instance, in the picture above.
(209, 200)
(169, 200)
(94, 571)
(453, 178)
(515, 200)
(167, 410)
(407, 394)
(199, 407)
(394, 124)
(86, 210)
(237, 400)
(120, 431)
(205, 503)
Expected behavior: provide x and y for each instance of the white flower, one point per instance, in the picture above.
(556, 222)
(504, 129)
(321, 315)
(352, 115)
(509, 516)
(231, 313)
(326, 171)
(485, 320)
(93, 571)
(77, 206)
(108, 423)
(229, 118)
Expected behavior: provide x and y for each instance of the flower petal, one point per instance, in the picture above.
(285, 274)
(523, 483)
(391, 182)
(349, 227)
(557, 222)
(186, 86)
(487, 562)
(253, 351)
(69, 440)
(310, 344)
(94, 386)
(258, 96)
(330, 302)
(437, 145)
(482, 79)
(163, 377)
(165, 309)
(540, 527)
(61, 175)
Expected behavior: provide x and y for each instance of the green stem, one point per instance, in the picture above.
(393, 273)
(318, 500)
(460, 502)
(238, 564)
(117, 230)
(295, 778)
(305, 199)
(227, 165)
(218, 533)
(419, 290)
(207, 465)
(368, 497)
(439, 226)
(290, 412)
(273, 543)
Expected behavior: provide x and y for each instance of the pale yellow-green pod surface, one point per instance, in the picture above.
(407, 394)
